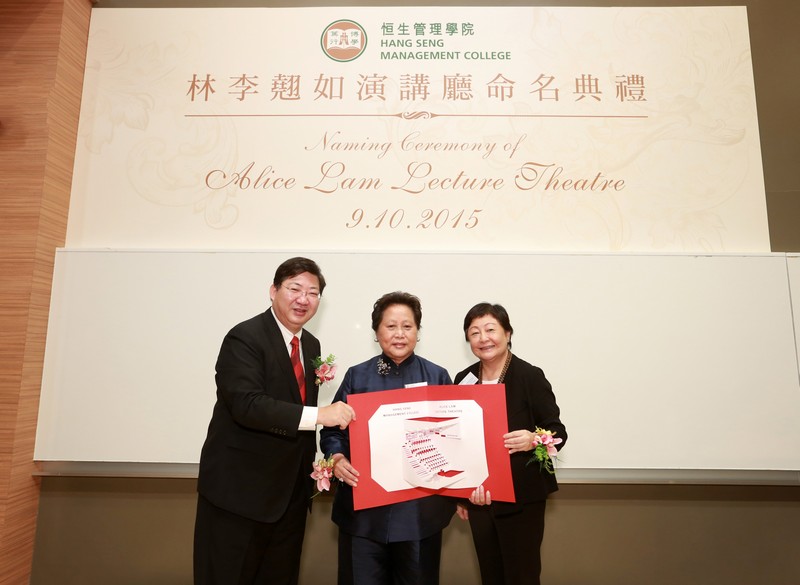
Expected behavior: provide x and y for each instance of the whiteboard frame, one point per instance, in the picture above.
(546, 297)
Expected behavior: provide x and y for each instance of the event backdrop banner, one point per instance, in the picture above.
(503, 128)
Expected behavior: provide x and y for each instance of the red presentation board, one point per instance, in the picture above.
(491, 400)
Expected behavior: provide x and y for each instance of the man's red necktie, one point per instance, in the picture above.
(298, 368)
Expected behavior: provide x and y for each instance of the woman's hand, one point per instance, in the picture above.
(518, 441)
(344, 471)
(480, 496)
(462, 511)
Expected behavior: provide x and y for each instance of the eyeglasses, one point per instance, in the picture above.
(297, 292)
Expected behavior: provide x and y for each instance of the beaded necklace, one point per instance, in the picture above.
(502, 372)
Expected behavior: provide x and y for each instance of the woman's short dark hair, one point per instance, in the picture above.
(396, 298)
(481, 310)
(298, 265)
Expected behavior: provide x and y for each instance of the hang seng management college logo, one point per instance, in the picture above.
(344, 40)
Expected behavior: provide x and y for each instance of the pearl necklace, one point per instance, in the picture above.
(502, 372)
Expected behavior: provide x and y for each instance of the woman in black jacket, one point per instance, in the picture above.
(508, 536)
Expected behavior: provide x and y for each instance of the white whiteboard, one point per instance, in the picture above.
(689, 361)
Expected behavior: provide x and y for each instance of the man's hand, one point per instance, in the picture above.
(338, 414)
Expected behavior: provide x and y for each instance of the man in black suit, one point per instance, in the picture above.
(254, 484)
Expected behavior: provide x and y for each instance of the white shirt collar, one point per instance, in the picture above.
(287, 335)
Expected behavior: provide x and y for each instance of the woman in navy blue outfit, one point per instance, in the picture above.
(508, 536)
(397, 544)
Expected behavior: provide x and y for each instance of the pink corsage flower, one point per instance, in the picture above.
(323, 474)
(325, 369)
(544, 449)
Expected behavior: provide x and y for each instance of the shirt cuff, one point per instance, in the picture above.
(308, 420)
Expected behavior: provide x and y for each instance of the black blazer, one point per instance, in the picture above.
(253, 452)
(530, 403)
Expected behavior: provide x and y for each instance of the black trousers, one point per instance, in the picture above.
(232, 550)
(508, 546)
(366, 562)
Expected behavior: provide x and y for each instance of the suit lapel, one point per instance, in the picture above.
(308, 364)
(279, 349)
